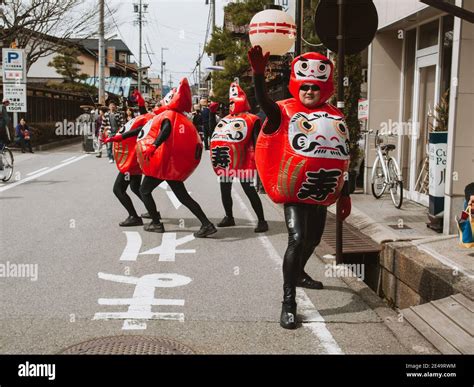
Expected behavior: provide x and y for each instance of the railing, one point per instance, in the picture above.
(46, 106)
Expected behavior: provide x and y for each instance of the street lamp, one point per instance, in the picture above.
(274, 30)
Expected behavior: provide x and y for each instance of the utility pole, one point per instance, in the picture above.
(140, 9)
(101, 54)
(213, 25)
(162, 70)
(199, 71)
(299, 26)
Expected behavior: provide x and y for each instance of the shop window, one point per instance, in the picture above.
(447, 52)
(428, 36)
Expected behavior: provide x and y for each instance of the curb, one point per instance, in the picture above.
(58, 144)
(399, 252)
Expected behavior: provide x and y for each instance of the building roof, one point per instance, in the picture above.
(93, 44)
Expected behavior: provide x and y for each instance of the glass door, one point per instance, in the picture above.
(425, 97)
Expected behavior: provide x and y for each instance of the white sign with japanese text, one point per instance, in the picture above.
(16, 94)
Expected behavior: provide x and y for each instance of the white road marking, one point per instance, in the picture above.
(174, 200)
(132, 249)
(33, 177)
(167, 250)
(69, 159)
(39, 170)
(312, 319)
(140, 305)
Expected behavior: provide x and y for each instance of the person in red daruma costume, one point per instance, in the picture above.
(302, 157)
(125, 156)
(169, 149)
(232, 155)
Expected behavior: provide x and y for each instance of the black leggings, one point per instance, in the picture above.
(226, 188)
(150, 183)
(120, 190)
(305, 224)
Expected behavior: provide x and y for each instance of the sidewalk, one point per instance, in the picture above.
(417, 264)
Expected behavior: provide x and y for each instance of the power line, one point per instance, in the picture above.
(115, 23)
(205, 41)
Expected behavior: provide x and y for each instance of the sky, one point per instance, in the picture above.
(179, 25)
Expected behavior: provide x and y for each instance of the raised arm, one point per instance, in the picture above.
(258, 61)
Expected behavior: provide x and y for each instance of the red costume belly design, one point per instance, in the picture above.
(306, 159)
(178, 156)
(125, 154)
(230, 146)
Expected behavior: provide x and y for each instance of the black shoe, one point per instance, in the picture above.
(205, 231)
(146, 215)
(288, 307)
(131, 221)
(228, 221)
(31, 151)
(155, 227)
(98, 156)
(262, 226)
(307, 282)
(288, 316)
(22, 151)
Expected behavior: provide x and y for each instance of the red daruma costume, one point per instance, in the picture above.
(180, 154)
(306, 159)
(125, 154)
(232, 153)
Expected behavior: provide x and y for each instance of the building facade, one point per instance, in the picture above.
(418, 56)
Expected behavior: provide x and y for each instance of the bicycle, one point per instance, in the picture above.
(6, 156)
(386, 172)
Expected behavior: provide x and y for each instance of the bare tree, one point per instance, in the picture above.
(39, 26)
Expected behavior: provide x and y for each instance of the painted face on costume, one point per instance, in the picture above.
(145, 130)
(126, 128)
(232, 130)
(233, 91)
(319, 135)
(312, 69)
(169, 97)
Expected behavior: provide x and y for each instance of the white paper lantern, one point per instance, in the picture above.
(273, 30)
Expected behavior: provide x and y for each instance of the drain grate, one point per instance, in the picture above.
(128, 345)
(354, 242)
(397, 227)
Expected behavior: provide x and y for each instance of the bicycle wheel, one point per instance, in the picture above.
(7, 157)
(396, 184)
(378, 179)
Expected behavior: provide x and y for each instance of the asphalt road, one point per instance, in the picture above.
(216, 295)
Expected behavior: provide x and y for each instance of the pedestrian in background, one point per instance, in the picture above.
(130, 115)
(140, 101)
(205, 116)
(23, 136)
(4, 125)
(98, 128)
(465, 221)
(197, 120)
(111, 123)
